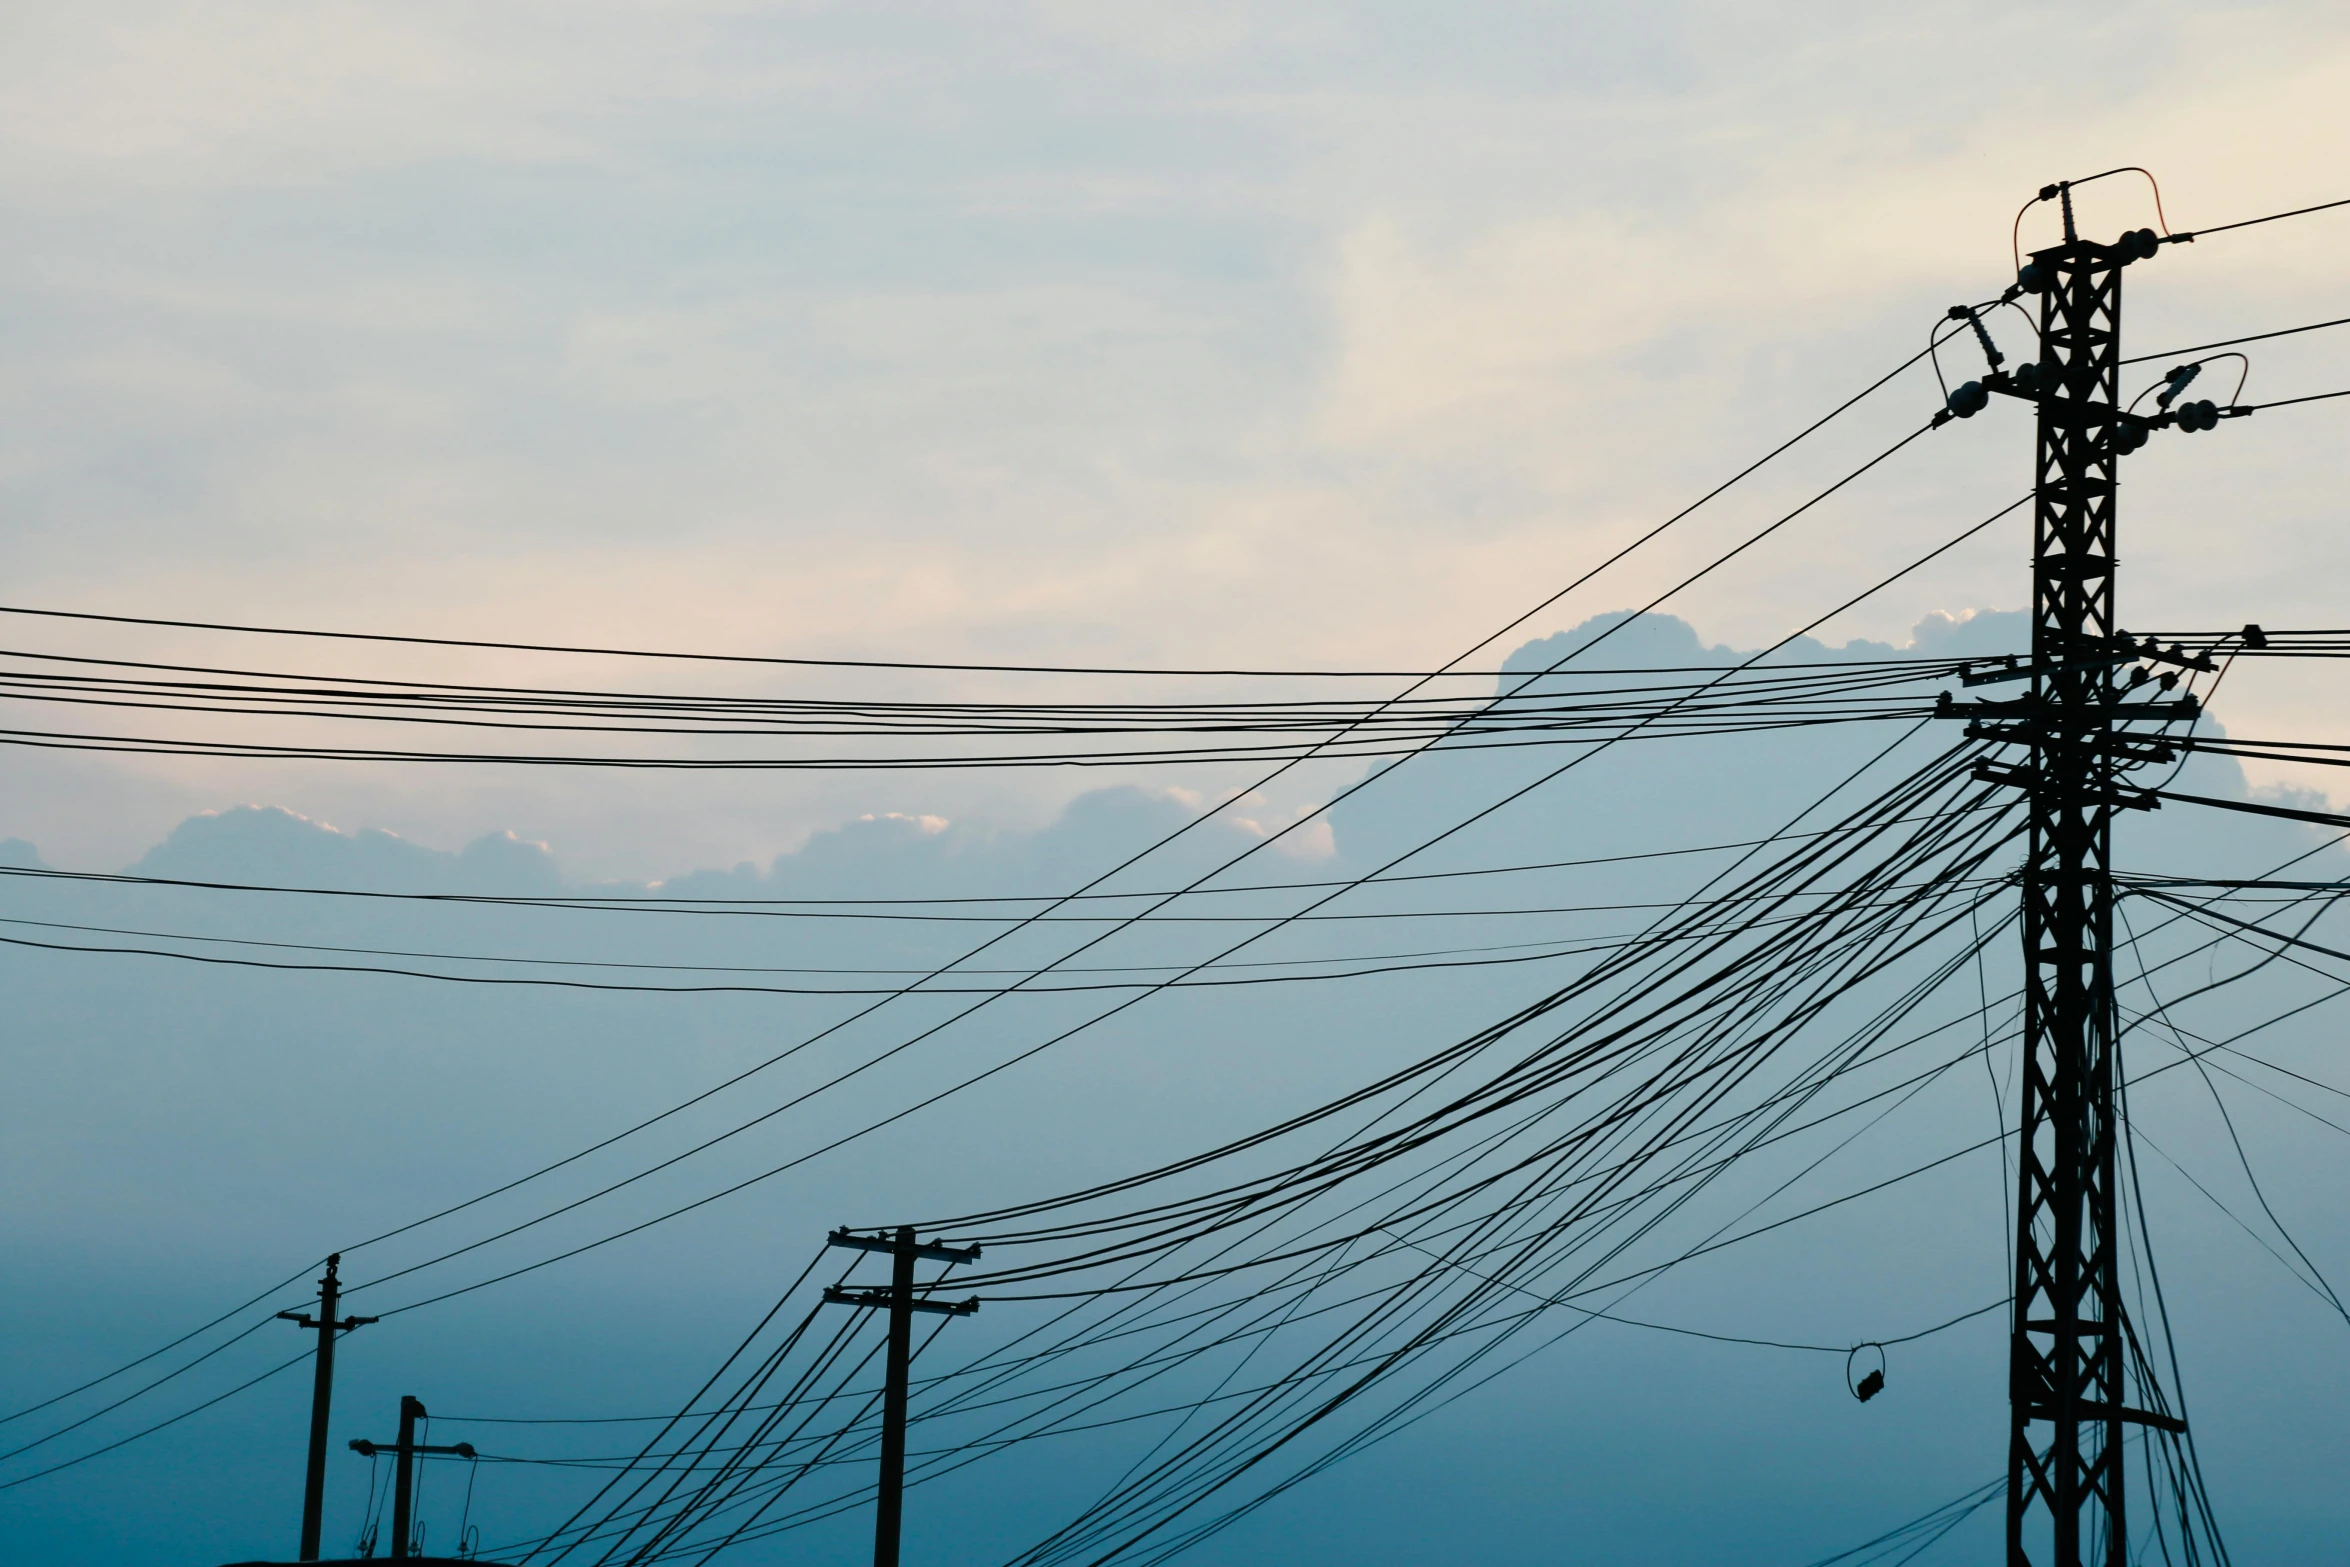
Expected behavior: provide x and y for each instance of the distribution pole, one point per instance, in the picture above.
(900, 1301)
(404, 1468)
(2065, 1366)
(322, 1388)
(404, 1476)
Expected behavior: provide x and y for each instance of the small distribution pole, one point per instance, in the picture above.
(404, 1470)
(900, 1301)
(322, 1392)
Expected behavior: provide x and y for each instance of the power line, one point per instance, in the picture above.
(2231, 342)
(2274, 217)
(594, 651)
(1066, 1033)
(2288, 402)
(623, 903)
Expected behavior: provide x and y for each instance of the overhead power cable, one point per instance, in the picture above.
(2288, 402)
(659, 903)
(1936, 1163)
(2274, 217)
(1197, 882)
(2233, 342)
(1186, 979)
(1618, 556)
(1452, 667)
(595, 651)
(1549, 1156)
(984, 1074)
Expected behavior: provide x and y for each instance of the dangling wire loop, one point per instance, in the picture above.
(469, 1532)
(2063, 190)
(1872, 1382)
(364, 1546)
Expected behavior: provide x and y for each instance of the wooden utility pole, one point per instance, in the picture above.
(322, 1392)
(404, 1472)
(900, 1301)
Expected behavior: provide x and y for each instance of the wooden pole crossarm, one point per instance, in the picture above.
(934, 1251)
(881, 1298)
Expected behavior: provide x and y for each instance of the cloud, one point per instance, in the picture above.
(272, 844)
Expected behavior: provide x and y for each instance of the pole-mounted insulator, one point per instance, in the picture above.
(2202, 414)
(2174, 381)
(1974, 318)
(2033, 378)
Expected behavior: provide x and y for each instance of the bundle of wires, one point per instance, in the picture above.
(644, 729)
(1266, 1319)
(1288, 1298)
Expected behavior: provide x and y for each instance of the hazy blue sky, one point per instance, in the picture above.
(1305, 335)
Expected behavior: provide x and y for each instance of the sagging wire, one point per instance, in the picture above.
(364, 1545)
(1115, 870)
(2243, 1158)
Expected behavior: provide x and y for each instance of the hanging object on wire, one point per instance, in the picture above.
(1872, 1382)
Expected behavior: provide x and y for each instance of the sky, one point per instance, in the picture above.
(1217, 336)
(1272, 336)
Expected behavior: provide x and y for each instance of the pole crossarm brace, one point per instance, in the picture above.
(2027, 707)
(2124, 649)
(2137, 1417)
(2153, 754)
(304, 1319)
(2028, 778)
(366, 1449)
(935, 1251)
(883, 1298)
(2254, 808)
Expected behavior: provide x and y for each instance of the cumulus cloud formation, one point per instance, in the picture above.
(271, 843)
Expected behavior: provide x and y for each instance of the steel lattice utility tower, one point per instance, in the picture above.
(2065, 1366)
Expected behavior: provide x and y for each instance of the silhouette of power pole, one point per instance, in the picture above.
(404, 1468)
(900, 1301)
(2067, 1336)
(322, 1392)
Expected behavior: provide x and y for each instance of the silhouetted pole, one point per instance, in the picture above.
(2066, 1339)
(900, 1301)
(404, 1475)
(322, 1394)
(404, 1468)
